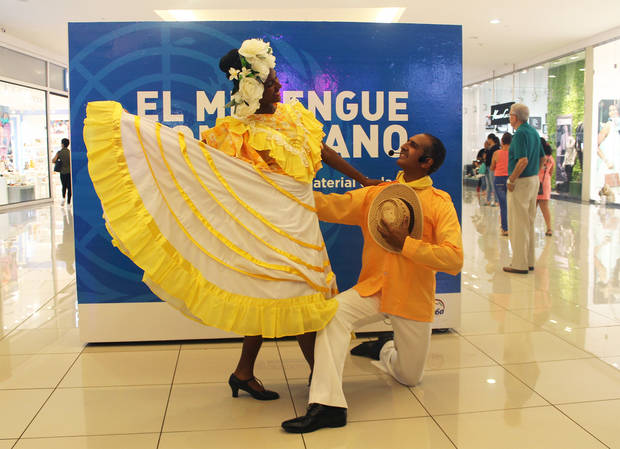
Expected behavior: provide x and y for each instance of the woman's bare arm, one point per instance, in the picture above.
(335, 161)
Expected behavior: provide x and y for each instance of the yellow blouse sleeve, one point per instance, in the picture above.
(288, 141)
(231, 136)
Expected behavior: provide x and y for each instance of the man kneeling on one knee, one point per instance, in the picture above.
(411, 231)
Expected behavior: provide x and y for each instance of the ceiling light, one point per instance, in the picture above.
(553, 321)
(539, 67)
(494, 21)
(389, 15)
(582, 70)
(574, 57)
(551, 76)
(524, 71)
(491, 381)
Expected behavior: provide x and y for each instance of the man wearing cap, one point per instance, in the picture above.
(411, 231)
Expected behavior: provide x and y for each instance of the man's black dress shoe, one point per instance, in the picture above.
(372, 349)
(317, 417)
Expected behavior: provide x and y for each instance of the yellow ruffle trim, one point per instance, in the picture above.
(136, 234)
(292, 136)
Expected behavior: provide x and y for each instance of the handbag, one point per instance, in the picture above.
(58, 165)
(482, 169)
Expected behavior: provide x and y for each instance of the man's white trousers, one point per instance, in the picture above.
(402, 358)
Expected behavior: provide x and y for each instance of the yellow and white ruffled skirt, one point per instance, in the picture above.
(226, 244)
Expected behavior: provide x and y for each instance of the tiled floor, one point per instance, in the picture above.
(533, 364)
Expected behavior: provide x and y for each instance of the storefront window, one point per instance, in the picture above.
(531, 88)
(22, 67)
(503, 89)
(605, 162)
(58, 77)
(24, 173)
(565, 111)
(59, 129)
(554, 94)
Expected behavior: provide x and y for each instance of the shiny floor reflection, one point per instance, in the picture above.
(534, 363)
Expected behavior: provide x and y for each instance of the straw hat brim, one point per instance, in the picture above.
(405, 193)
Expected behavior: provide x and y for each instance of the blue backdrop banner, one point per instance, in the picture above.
(372, 85)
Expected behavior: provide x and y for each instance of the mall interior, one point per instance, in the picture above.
(528, 361)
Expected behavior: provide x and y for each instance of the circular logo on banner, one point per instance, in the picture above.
(440, 307)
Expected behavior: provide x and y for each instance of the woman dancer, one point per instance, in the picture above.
(233, 242)
(253, 134)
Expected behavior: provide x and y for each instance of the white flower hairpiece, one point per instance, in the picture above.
(256, 61)
(234, 73)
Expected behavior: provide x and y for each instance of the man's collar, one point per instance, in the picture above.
(418, 184)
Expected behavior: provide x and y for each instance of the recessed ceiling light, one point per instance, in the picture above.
(582, 70)
(491, 381)
(539, 67)
(551, 76)
(494, 21)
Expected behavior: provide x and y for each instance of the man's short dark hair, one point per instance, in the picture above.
(436, 151)
(64, 142)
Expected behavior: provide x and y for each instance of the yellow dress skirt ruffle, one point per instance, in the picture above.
(225, 243)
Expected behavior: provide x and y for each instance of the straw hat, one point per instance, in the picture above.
(399, 208)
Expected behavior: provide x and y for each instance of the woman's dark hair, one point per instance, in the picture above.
(228, 61)
(506, 139)
(494, 138)
(436, 151)
(65, 142)
(546, 147)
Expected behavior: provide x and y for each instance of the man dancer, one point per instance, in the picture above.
(524, 158)
(399, 283)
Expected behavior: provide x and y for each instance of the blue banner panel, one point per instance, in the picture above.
(372, 85)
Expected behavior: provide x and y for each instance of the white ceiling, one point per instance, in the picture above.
(529, 29)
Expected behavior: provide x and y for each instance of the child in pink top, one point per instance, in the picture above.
(544, 176)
